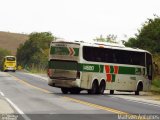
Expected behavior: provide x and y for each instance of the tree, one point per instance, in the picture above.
(132, 42)
(3, 53)
(34, 52)
(109, 38)
(148, 36)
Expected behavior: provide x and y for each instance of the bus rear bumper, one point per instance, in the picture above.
(10, 68)
(63, 83)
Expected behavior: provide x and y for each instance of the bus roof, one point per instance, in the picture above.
(103, 45)
(9, 56)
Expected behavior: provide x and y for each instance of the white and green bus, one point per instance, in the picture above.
(95, 67)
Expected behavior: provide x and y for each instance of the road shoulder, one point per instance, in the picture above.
(5, 107)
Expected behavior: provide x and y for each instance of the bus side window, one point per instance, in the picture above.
(108, 56)
(97, 53)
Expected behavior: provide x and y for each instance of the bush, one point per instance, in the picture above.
(156, 82)
(3, 53)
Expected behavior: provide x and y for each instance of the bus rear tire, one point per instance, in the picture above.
(64, 90)
(139, 88)
(94, 89)
(111, 92)
(102, 87)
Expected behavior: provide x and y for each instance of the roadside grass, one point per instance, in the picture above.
(36, 70)
(156, 81)
(155, 88)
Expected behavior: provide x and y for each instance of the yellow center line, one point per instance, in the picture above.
(73, 99)
(26, 83)
(95, 105)
(137, 117)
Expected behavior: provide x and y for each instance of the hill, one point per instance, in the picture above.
(11, 41)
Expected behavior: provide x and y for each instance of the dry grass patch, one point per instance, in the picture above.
(11, 41)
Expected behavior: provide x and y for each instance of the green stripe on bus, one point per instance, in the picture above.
(62, 65)
(63, 51)
(113, 77)
(138, 71)
(111, 69)
(93, 68)
(89, 67)
(59, 50)
(101, 68)
(126, 70)
(76, 50)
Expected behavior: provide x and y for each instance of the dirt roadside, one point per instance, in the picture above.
(150, 96)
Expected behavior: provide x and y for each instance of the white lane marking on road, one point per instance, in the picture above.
(143, 102)
(2, 94)
(18, 110)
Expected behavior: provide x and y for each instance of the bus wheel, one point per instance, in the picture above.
(64, 90)
(139, 88)
(94, 89)
(102, 87)
(111, 92)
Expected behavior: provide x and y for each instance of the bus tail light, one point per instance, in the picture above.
(78, 74)
(49, 72)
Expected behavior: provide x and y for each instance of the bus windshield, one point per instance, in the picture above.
(10, 59)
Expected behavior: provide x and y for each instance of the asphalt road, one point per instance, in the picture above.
(31, 98)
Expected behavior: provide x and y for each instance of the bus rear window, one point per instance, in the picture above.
(61, 64)
(10, 58)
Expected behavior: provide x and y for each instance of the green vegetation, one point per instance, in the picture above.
(156, 82)
(109, 38)
(3, 53)
(33, 54)
(148, 38)
(155, 90)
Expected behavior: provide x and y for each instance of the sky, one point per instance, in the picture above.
(77, 19)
